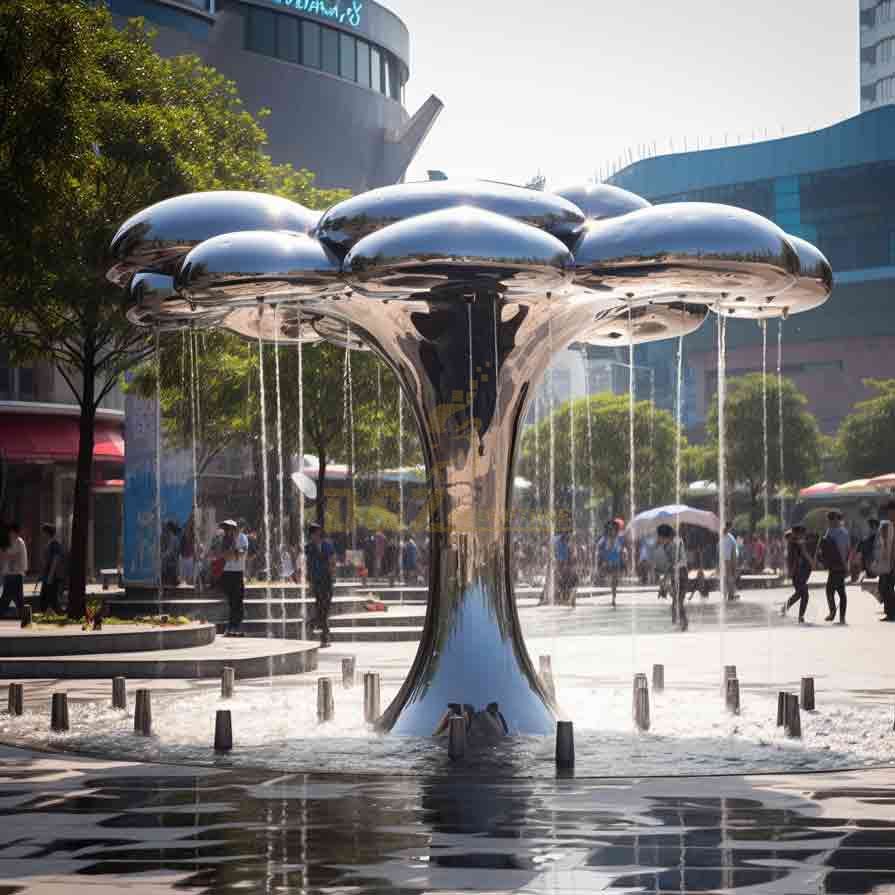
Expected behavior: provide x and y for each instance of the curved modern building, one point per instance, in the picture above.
(332, 75)
(834, 187)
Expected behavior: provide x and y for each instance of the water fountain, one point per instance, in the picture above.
(430, 276)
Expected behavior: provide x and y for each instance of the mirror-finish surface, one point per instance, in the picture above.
(623, 324)
(239, 268)
(710, 252)
(446, 253)
(157, 303)
(346, 223)
(289, 325)
(158, 237)
(600, 201)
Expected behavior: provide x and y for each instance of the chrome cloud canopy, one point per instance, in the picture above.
(600, 201)
(346, 223)
(158, 237)
(275, 324)
(156, 302)
(245, 266)
(625, 324)
(714, 254)
(455, 250)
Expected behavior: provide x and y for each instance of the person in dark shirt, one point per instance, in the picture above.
(52, 571)
(320, 557)
(799, 566)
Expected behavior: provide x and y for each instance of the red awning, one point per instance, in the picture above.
(38, 438)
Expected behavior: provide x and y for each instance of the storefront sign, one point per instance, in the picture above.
(349, 14)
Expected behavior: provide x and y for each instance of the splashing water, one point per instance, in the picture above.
(265, 478)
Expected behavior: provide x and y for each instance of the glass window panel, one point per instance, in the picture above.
(347, 58)
(329, 50)
(363, 63)
(376, 69)
(310, 44)
(261, 33)
(287, 38)
(386, 73)
(394, 82)
(26, 384)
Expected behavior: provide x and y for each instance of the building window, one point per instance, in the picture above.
(329, 50)
(287, 38)
(310, 44)
(296, 40)
(363, 63)
(16, 383)
(347, 57)
(375, 69)
(885, 12)
(261, 31)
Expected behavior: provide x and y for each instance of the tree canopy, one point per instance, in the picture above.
(744, 417)
(864, 441)
(94, 125)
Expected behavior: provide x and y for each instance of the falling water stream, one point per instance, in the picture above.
(265, 478)
(631, 493)
(780, 478)
(301, 465)
(678, 420)
(472, 432)
(592, 538)
(722, 477)
(400, 459)
(158, 464)
(281, 508)
(348, 423)
(551, 475)
(194, 420)
(766, 491)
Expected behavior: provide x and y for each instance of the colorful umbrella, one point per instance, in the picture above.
(818, 488)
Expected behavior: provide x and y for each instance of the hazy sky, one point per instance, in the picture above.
(568, 87)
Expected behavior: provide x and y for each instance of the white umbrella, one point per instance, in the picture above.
(675, 514)
(305, 484)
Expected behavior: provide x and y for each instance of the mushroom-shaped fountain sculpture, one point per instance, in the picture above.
(467, 291)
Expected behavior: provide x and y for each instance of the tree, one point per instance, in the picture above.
(603, 465)
(864, 441)
(745, 439)
(94, 125)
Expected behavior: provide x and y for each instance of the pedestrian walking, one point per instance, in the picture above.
(409, 554)
(234, 549)
(611, 557)
(672, 557)
(833, 549)
(883, 561)
(799, 566)
(16, 554)
(320, 557)
(729, 551)
(52, 571)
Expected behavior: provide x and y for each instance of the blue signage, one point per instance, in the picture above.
(344, 15)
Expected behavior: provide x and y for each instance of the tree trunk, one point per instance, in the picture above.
(80, 529)
(321, 486)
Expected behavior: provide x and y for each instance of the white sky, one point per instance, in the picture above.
(566, 88)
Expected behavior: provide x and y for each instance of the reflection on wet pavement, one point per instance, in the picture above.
(70, 821)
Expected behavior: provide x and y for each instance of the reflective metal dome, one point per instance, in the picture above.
(346, 223)
(457, 250)
(157, 303)
(624, 324)
(600, 201)
(714, 254)
(242, 267)
(158, 237)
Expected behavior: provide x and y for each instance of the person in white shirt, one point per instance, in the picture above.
(16, 555)
(729, 548)
(234, 548)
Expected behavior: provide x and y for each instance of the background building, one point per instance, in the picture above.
(332, 76)
(877, 29)
(834, 187)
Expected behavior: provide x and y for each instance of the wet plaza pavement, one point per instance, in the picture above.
(109, 827)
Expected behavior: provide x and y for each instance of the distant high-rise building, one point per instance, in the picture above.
(877, 53)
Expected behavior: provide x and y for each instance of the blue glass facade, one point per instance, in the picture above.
(834, 187)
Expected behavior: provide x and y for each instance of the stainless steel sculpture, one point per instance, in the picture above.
(466, 290)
